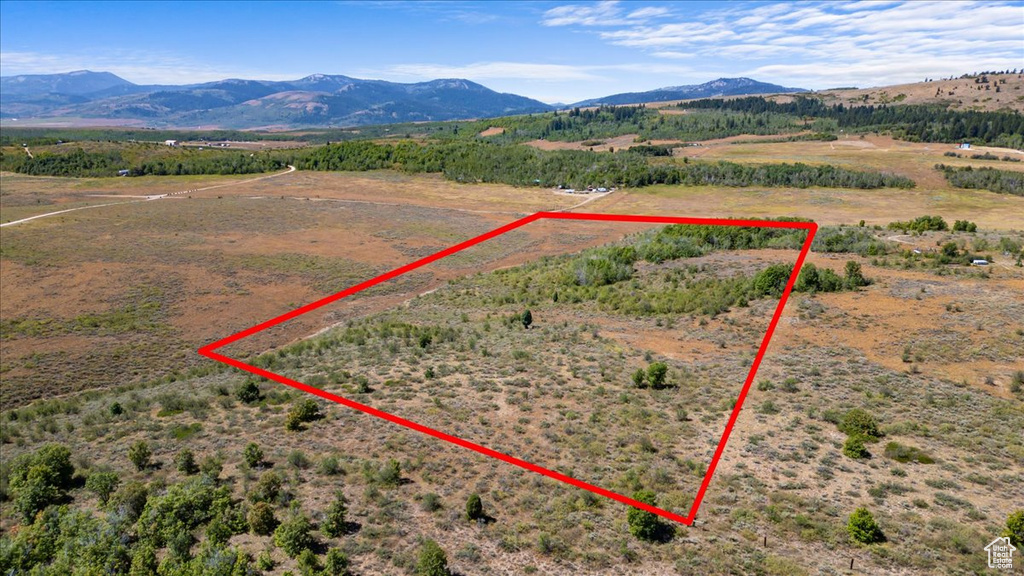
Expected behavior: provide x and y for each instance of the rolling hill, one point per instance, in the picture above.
(712, 89)
(315, 100)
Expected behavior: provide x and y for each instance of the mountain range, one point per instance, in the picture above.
(316, 100)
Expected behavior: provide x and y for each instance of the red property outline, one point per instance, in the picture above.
(812, 228)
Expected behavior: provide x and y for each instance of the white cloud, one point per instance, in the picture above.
(867, 42)
(490, 70)
(605, 13)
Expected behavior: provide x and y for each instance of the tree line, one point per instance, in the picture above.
(924, 123)
(88, 164)
(999, 181)
(524, 166)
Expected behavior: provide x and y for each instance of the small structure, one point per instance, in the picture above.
(123, 172)
(979, 262)
(964, 146)
(171, 142)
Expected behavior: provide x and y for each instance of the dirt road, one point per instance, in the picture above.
(147, 198)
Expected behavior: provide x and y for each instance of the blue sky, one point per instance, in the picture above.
(552, 51)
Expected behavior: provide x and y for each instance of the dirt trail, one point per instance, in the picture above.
(147, 198)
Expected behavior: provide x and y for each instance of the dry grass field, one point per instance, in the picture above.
(125, 293)
(106, 307)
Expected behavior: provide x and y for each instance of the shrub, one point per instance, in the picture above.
(308, 563)
(130, 500)
(143, 561)
(261, 519)
(902, 453)
(252, 455)
(334, 519)
(267, 488)
(336, 563)
(1015, 528)
(265, 561)
(293, 536)
(854, 448)
(656, 373)
(772, 280)
(139, 454)
(298, 459)
(527, 319)
(57, 459)
(474, 507)
(329, 466)
(305, 411)
(102, 484)
(640, 378)
(432, 560)
(431, 502)
(854, 276)
(863, 528)
(40, 479)
(390, 474)
(33, 492)
(211, 466)
(858, 422)
(116, 409)
(643, 524)
(185, 460)
(248, 392)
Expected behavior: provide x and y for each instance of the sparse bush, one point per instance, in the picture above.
(308, 563)
(265, 561)
(139, 455)
(293, 535)
(252, 455)
(261, 519)
(431, 502)
(185, 460)
(211, 466)
(390, 474)
(329, 466)
(643, 524)
(902, 453)
(267, 488)
(248, 392)
(854, 448)
(863, 528)
(334, 518)
(298, 459)
(772, 280)
(640, 378)
(656, 373)
(130, 500)
(305, 411)
(527, 319)
(474, 507)
(1015, 528)
(858, 422)
(432, 560)
(336, 563)
(102, 484)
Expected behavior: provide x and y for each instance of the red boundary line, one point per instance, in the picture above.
(210, 349)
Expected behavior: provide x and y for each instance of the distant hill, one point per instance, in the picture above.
(72, 83)
(317, 100)
(712, 89)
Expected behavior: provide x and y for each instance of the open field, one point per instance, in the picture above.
(105, 307)
(559, 394)
(124, 293)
